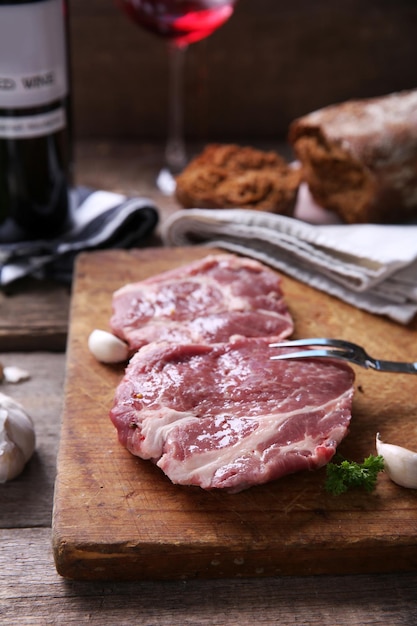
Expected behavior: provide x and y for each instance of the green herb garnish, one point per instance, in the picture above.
(340, 477)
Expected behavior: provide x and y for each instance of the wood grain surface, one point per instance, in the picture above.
(117, 517)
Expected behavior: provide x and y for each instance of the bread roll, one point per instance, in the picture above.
(231, 176)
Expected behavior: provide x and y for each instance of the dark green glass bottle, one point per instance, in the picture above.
(35, 138)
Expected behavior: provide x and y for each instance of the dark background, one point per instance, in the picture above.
(273, 61)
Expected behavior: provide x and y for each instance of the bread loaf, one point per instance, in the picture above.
(359, 158)
(231, 176)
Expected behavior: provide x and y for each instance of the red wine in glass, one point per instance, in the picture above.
(180, 22)
(183, 22)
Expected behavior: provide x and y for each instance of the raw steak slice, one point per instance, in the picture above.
(226, 416)
(207, 301)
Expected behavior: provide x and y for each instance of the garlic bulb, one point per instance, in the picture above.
(17, 438)
(107, 348)
(399, 463)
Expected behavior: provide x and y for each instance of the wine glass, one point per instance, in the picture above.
(180, 22)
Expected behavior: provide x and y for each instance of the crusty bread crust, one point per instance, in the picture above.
(231, 176)
(359, 157)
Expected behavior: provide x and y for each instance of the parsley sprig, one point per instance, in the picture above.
(340, 477)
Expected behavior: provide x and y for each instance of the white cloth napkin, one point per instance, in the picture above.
(98, 219)
(371, 266)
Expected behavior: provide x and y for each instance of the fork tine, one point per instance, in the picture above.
(310, 354)
(315, 341)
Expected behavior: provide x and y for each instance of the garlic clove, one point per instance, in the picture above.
(17, 438)
(12, 460)
(107, 348)
(399, 463)
(13, 374)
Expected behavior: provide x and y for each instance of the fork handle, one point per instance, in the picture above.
(393, 366)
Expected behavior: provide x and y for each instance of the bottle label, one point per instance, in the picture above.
(24, 127)
(33, 70)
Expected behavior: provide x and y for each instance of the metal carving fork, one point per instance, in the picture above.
(340, 349)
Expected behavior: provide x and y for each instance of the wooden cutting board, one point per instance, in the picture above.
(117, 517)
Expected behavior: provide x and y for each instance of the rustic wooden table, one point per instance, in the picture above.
(33, 326)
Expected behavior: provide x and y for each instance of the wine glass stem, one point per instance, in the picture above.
(175, 153)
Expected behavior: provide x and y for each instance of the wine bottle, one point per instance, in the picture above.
(35, 138)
